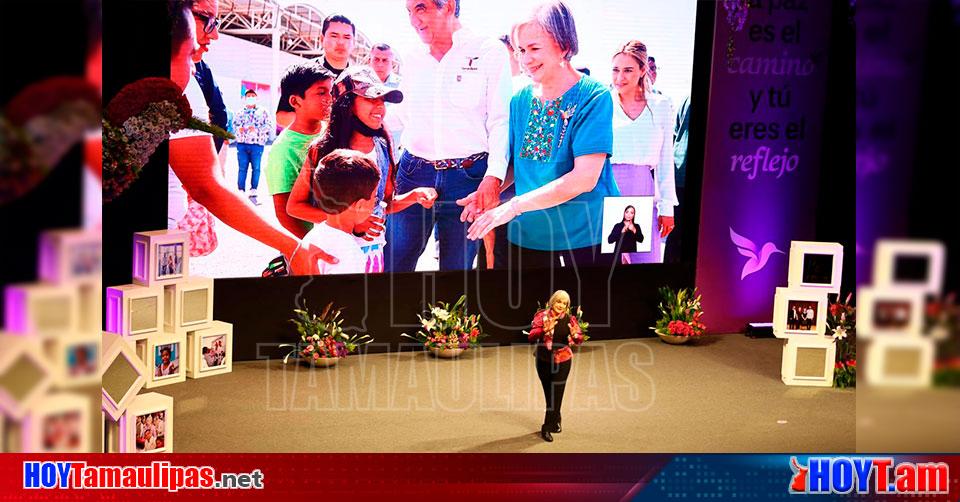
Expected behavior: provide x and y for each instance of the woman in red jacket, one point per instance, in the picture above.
(554, 331)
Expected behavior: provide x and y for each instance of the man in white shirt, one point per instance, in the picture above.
(455, 120)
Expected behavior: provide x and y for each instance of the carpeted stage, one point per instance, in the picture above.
(721, 394)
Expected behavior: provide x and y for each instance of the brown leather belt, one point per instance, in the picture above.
(464, 163)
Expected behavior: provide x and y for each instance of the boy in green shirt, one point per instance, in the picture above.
(306, 87)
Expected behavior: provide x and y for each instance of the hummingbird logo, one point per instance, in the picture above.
(757, 259)
(799, 481)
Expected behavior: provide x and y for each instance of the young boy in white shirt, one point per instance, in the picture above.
(344, 186)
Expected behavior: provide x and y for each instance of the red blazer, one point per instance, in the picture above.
(537, 334)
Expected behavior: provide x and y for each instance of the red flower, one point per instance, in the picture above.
(133, 98)
(47, 95)
(852, 363)
(836, 309)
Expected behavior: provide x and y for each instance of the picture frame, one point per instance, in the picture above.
(41, 309)
(198, 360)
(188, 305)
(134, 311)
(808, 362)
(25, 374)
(122, 373)
(149, 248)
(900, 362)
(910, 264)
(70, 256)
(163, 369)
(58, 423)
(800, 301)
(149, 405)
(816, 265)
(885, 311)
(74, 359)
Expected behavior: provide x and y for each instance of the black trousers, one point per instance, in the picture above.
(553, 378)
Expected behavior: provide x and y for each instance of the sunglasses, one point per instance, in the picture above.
(210, 23)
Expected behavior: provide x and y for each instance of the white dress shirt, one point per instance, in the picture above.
(648, 141)
(458, 106)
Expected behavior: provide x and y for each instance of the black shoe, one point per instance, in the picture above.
(558, 429)
(545, 434)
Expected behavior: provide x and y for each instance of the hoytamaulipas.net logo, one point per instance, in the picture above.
(159, 475)
(879, 475)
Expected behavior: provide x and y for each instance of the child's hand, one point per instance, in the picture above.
(371, 228)
(425, 196)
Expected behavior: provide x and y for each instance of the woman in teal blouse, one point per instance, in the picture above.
(561, 139)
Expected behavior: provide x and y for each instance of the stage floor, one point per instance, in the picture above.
(723, 394)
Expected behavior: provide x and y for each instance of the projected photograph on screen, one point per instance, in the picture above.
(364, 145)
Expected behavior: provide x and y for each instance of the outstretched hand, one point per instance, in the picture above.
(304, 260)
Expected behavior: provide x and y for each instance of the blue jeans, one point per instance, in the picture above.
(409, 230)
(248, 154)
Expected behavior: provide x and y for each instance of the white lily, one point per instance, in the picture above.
(839, 333)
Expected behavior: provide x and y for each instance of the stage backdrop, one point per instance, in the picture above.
(765, 128)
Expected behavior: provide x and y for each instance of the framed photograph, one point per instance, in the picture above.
(808, 362)
(890, 311)
(909, 264)
(70, 256)
(58, 423)
(81, 359)
(816, 265)
(160, 257)
(900, 362)
(800, 312)
(166, 361)
(629, 221)
(210, 350)
(169, 261)
(122, 374)
(150, 434)
(147, 425)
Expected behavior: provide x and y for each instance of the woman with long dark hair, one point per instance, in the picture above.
(356, 123)
(626, 233)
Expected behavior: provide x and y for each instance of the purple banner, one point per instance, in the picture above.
(762, 157)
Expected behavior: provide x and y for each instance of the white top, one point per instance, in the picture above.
(648, 141)
(458, 106)
(340, 244)
(176, 195)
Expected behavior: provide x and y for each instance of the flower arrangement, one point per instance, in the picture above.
(943, 323)
(39, 125)
(680, 313)
(842, 324)
(140, 117)
(321, 336)
(448, 327)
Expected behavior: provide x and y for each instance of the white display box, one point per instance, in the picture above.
(38, 309)
(210, 350)
(58, 423)
(162, 368)
(122, 373)
(134, 311)
(890, 312)
(147, 425)
(74, 359)
(70, 256)
(808, 362)
(900, 362)
(25, 374)
(816, 265)
(909, 264)
(188, 305)
(792, 308)
(160, 257)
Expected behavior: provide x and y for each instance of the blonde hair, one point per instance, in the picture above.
(638, 51)
(556, 296)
